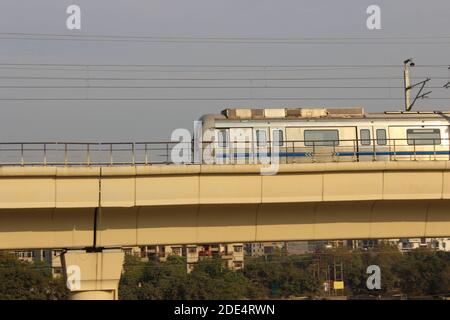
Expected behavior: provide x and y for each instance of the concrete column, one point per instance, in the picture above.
(93, 275)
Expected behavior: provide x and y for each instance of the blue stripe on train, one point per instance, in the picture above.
(337, 154)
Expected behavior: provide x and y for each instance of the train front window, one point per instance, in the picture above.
(381, 137)
(261, 138)
(222, 138)
(277, 137)
(321, 138)
(365, 137)
(423, 136)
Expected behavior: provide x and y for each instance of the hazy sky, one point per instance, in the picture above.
(407, 28)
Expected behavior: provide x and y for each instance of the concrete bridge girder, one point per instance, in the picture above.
(53, 207)
(73, 228)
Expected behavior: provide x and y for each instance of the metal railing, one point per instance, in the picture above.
(153, 153)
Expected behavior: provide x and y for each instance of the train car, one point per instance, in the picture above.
(296, 135)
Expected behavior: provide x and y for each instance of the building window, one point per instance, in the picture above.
(261, 138)
(192, 249)
(423, 136)
(365, 137)
(277, 136)
(321, 138)
(223, 138)
(381, 137)
(237, 248)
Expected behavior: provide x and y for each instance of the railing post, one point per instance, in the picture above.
(434, 149)
(88, 155)
(146, 154)
(293, 160)
(334, 151)
(374, 156)
(414, 143)
(110, 154)
(45, 154)
(314, 152)
(133, 155)
(65, 154)
(355, 143)
(22, 161)
(395, 152)
(167, 153)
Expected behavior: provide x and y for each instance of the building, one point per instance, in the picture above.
(232, 254)
(51, 257)
(256, 249)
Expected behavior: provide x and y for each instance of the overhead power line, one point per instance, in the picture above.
(201, 87)
(429, 39)
(83, 65)
(212, 99)
(208, 79)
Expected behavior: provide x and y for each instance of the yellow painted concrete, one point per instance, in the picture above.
(230, 188)
(93, 275)
(154, 223)
(24, 187)
(158, 190)
(52, 207)
(298, 187)
(68, 192)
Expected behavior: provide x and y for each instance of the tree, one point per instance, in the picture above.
(425, 272)
(28, 281)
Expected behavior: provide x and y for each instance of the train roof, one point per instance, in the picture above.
(321, 113)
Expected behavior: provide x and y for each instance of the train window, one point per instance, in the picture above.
(222, 137)
(364, 134)
(277, 137)
(423, 136)
(381, 137)
(321, 138)
(261, 138)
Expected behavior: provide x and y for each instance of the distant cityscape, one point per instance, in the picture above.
(233, 254)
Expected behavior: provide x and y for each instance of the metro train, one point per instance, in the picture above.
(296, 135)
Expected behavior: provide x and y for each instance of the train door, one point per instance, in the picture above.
(365, 143)
(222, 152)
(261, 148)
(241, 145)
(329, 144)
(278, 144)
(381, 143)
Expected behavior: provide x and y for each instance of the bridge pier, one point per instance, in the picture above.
(93, 275)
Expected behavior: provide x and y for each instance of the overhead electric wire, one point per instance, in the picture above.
(214, 99)
(208, 79)
(399, 40)
(223, 66)
(202, 87)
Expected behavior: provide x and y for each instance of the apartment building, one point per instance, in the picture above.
(52, 257)
(232, 254)
(256, 249)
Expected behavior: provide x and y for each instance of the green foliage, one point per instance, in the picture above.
(28, 281)
(425, 273)
(280, 275)
(387, 257)
(422, 272)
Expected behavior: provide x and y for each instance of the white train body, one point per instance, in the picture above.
(324, 135)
